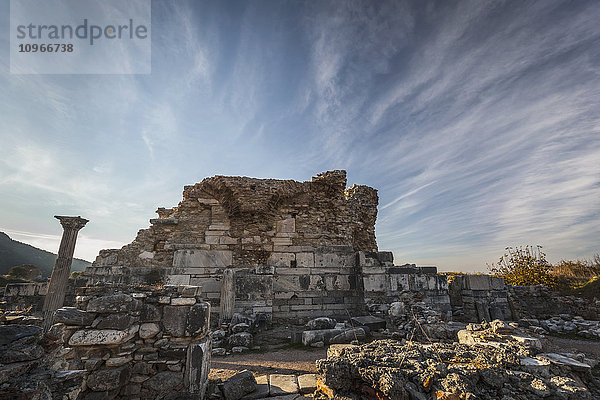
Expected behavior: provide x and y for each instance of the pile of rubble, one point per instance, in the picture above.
(492, 361)
(237, 336)
(31, 367)
(567, 324)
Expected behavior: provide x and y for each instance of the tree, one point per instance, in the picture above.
(524, 266)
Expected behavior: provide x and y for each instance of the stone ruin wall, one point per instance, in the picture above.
(299, 249)
(293, 245)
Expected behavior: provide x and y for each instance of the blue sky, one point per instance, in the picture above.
(477, 121)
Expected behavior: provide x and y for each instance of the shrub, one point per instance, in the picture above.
(25, 271)
(524, 266)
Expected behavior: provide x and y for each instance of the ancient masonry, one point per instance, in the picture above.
(294, 250)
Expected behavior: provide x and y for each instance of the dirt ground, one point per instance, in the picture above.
(277, 357)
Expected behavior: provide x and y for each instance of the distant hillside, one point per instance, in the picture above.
(16, 253)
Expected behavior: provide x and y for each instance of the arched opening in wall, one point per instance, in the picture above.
(159, 245)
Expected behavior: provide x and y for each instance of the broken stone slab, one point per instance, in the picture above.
(348, 336)
(116, 321)
(565, 361)
(527, 341)
(307, 383)
(164, 382)
(149, 330)
(11, 333)
(283, 384)
(175, 320)
(370, 321)
(73, 316)
(113, 304)
(239, 385)
(240, 339)
(91, 337)
(321, 323)
(262, 389)
(536, 366)
(198, 320)
(117, 361)
(108, 379)
(322, 335)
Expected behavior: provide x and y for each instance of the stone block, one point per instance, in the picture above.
(371, 322)
(428, 269)
(374, 283)
(164, 382)
(261, 391)
(307, 383)
(202, 258)
(113, 304)
(183, 301)
(108, 379)
(148, 330)
(306, 260)
(72, 316)
(477, 282)
(198, 320)
(197, 366)
(178, 279)
(385, 256)
(91, 337)
(150, 313)
(280, 385)
(174, 320)
(282, 259)
(239, 385)
(116, 321)
(322, 335)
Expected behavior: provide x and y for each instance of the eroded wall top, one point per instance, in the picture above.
(249, 219)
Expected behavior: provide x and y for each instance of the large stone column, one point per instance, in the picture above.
(57, 286)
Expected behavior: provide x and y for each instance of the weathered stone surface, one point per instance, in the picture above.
(565, 361)
(11, 333)
(175, 320)
(321, 323)
(108, 379)
(73, 316)
(283, 384)
(198, 319)
(116, 321)
(113, 303)
(117, 361)
(183, 301)
(150, 313)
(370, 321)
(239, 385)
(164, 382)
(349, 335)
(240, 339)
(322, 335)
(89, 337)
(307, 383)
(149, 330)
(262, 389)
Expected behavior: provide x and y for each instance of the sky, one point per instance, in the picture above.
(477, 121)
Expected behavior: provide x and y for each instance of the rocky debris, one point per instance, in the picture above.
(139, 342)
(27, 362)
(238, 385)
(498, 360)
(567, 324)
(238, 334)
(321, 323)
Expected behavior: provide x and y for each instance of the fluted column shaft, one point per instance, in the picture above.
(57, 286)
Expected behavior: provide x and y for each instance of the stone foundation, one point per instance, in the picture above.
(141, 342)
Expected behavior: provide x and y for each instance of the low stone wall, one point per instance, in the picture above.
(139, 342)
(477, 298)
(541, 303)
